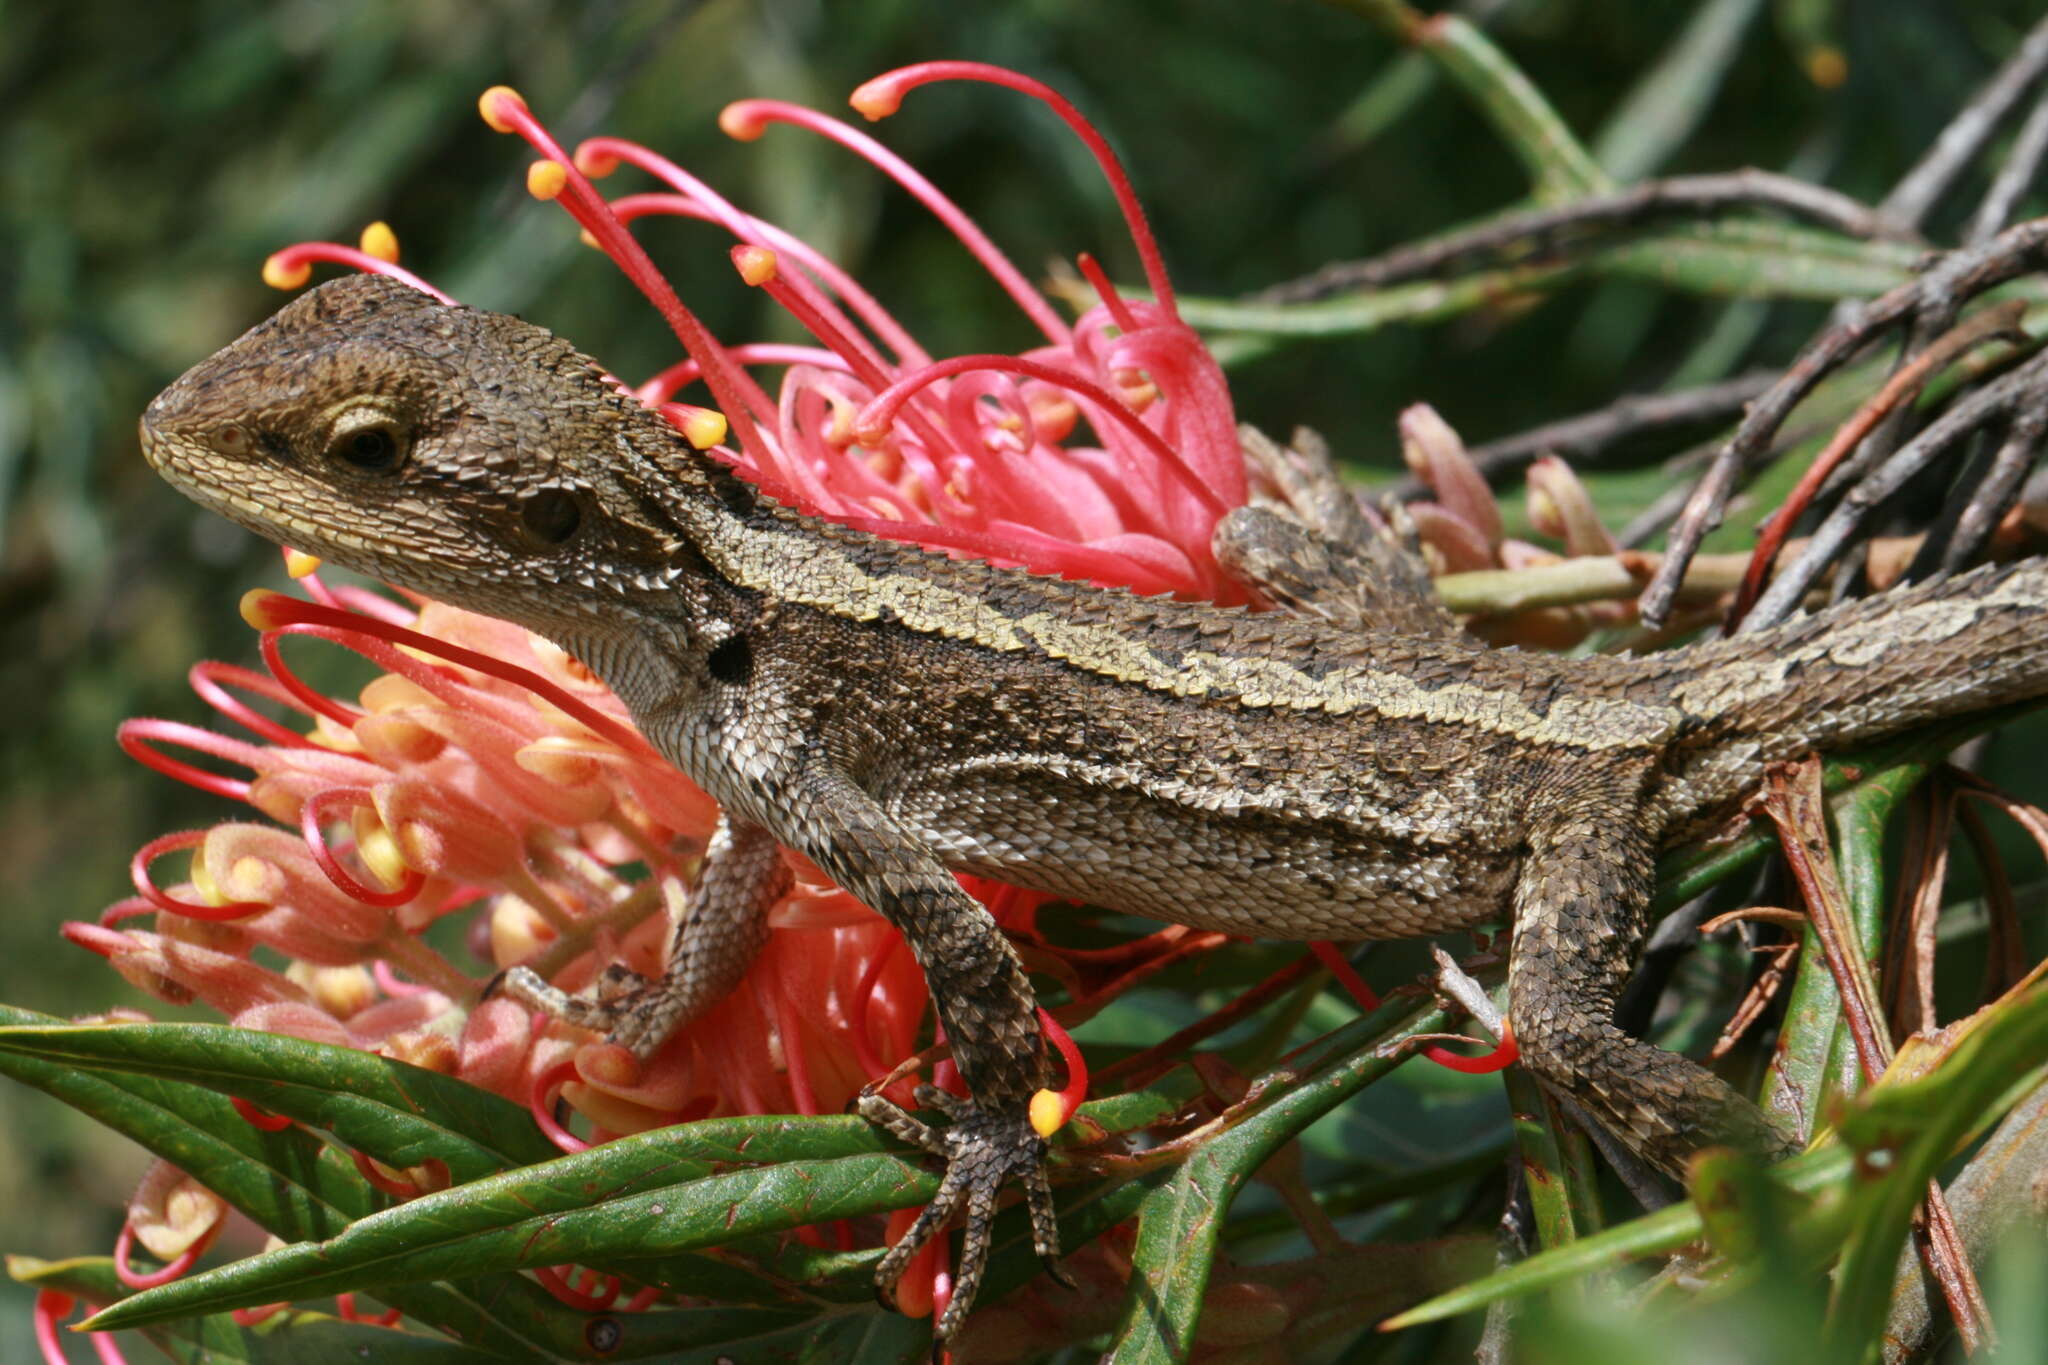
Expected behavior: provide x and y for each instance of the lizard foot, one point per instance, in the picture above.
(983, 1150)
(621, 1004)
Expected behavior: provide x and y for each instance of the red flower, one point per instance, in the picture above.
(484, 773)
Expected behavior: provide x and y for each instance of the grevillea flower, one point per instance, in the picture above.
(483, 773)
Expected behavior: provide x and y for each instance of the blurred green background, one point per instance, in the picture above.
(151, 156)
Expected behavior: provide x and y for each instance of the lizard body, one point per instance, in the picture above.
(897, 715)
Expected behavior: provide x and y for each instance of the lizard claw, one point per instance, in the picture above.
(984, 1150)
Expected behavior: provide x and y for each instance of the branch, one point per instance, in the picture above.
(1920, 188)
(1540, 230)
(1951, 279)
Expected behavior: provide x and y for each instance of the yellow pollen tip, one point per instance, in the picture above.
(595, 165)
(756, 264)
(546, 179)
(297, 563)
(487, 105)
(379, 851)
(839, 433)
(587, 237)
(202, 882)
(279, 274)
(1048, 1112)
(260, 608)
(380, 241)
(737, 121)
(876, 100)
(704, 428)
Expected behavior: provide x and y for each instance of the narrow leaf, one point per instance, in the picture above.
(403, 1115)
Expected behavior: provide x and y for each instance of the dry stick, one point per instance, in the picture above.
(1940, 313)
(2029, 818)
(1909, 954)
(2026, 385)
(2005, 957)
(1538, 229)
(1795, 803)
(1953, 277)
(1765, 989)
(1967, 132)
(1999, 490)
(2001, 320)
(2013, 177)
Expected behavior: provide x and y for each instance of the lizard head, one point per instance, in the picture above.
(463, 454)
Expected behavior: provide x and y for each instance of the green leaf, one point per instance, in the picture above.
(400, 1114)
(1180, 1221)
(642, 1197)
(288, 1182)
(288, 1338)
(1915, 1126)
(1664, 1230)
(1557, 162)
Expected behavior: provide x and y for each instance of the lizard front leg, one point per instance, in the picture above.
(1306, 546)
(990, 1016)
(1579, 918)
(720, 930)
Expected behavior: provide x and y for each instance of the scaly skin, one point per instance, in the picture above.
(898, 716)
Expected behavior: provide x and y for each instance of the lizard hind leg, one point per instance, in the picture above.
(719, 928)
(1579, 918)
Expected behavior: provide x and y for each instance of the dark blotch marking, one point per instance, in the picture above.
(731, 661)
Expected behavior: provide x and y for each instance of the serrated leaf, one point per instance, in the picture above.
(400, 1114)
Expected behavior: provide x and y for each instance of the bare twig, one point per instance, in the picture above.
(2028, 385)
(1996, 493)
(1919, 190)
(1455, 982)
(1542, 230)
(2005, 957)
(1909, 948)
(2000, 320)
(2013, 177)
(1765, 989)
(1956, 276)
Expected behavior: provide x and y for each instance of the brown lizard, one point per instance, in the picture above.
(897, 715)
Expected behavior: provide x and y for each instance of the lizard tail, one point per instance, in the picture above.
(1867, 670)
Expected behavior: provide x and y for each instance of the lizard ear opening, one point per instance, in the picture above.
(549, 517)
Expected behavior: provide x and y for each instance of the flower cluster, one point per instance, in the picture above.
(484, 775)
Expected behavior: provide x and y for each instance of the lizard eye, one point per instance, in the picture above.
(550, 516)
(374, 449)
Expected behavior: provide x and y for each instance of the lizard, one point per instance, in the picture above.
(1355, 768)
